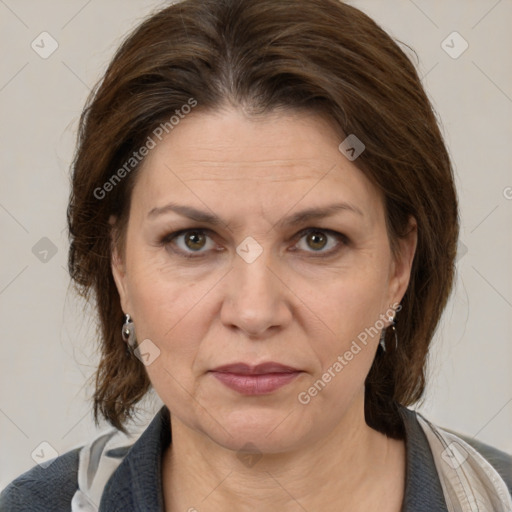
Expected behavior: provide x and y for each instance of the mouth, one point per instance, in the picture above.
(261, 379)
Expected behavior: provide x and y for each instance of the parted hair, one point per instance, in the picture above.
(322, 56)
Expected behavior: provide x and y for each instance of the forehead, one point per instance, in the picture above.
(274, 158)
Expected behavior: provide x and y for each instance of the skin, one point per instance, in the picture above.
(289, 305)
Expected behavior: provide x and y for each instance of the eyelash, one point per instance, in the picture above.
(342, 239)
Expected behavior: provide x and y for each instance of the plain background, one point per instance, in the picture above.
(48, 336)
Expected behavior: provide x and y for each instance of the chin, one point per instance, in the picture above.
(260, 430)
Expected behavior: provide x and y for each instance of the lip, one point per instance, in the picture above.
(261, 379)
(259, 369)
(262, 384)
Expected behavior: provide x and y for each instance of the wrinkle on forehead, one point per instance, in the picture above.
(209, 159)
(215, 144)
(267, 170)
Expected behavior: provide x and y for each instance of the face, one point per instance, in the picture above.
(223, 265)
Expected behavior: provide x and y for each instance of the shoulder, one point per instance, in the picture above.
(35, 490)
(444, 464)
(72, 481)
(499, 460)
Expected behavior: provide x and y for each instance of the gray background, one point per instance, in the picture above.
(48, 338)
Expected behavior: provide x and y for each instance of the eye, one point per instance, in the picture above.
(319, 239)
(189, 242)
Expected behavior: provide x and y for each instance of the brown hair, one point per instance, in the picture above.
(320, 55)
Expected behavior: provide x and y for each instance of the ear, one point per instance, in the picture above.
(402, 262)
(118, 268)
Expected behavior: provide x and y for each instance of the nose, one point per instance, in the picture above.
(256, 299)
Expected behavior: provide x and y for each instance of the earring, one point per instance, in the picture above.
(128, 332)
(382, 340)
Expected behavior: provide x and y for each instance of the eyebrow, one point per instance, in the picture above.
(296, 218)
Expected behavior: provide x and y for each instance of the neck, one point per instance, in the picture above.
(349, 469)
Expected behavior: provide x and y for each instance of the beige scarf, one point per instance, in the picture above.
(469, 482)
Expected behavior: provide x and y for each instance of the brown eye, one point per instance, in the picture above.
(316, 240)
(325, 242)
(194, 240)
(190, 243)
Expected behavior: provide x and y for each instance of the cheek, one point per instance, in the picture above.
(169, 310)
(168, 318)
(345, 359)
(350, 308)
(161, 295)
(351, 304)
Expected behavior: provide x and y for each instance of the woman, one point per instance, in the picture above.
(264, 210)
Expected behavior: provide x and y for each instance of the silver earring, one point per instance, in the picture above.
(128, 332)
(383, 334)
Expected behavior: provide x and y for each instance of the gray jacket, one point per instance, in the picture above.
(136, 484)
